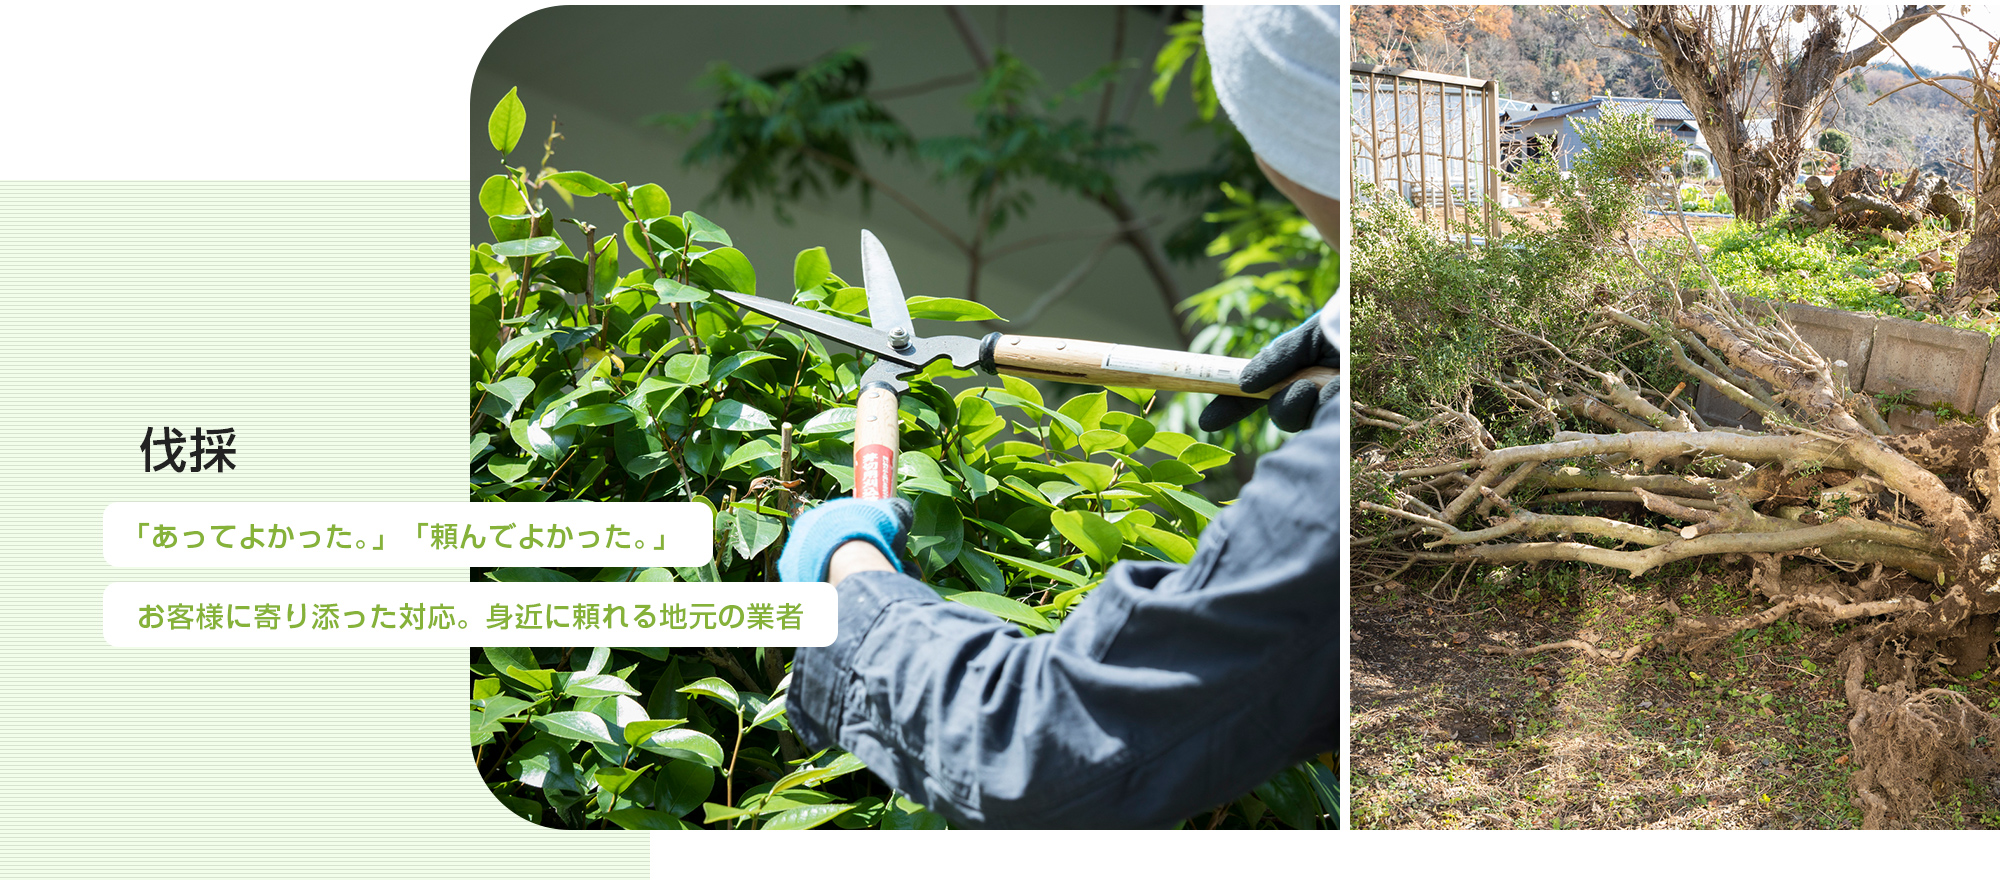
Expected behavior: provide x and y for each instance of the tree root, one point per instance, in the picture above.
(1908, 745)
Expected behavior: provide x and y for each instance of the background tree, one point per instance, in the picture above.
(1839, 143)
(1978, 92)
(1731, 64)
(802, 131)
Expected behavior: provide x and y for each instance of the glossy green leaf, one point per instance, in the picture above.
(598, 415)
(1101, 440)
(945, 308)
(1088, 474)
(918, 472)
(712, 813)
(811, 269)
(1085, 409)
(751, 533)
(984, 573)
(728, 366)
(701, 228)
(904, 815)
(724, 269)
(485, 688)
(639, 730)
(507, 121)
(607, 265)
(650, 201)
(544, 763)
(1204, 456)
(598, 686)
(515, 346)
(1022, 389)
(1139, 396)
(867, 813)
(770, 710)
(500, 195)
(680, 742)
(1170, 442)
(1195, 503)
(615, 780)
(1007, 399)
(638, 819)
(686, 369)
(716, 689)
(735, 415)
(527, 247)
(584, 726)
(838, 420)
(1289, 795)
(1174, 547)
(683, 786)
(672, 291)
(937, 532)
(648, 333)
(536, 679)
(1049, 571)
(1005, 608)
(501, 658)
(800, 818)
(581, 183)
(760, 453)
(852, 300)
(1135, 428)
(1098, 539)
(1058, 491)
(1172, 471)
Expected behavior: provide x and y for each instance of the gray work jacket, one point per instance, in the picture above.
(1169, 690)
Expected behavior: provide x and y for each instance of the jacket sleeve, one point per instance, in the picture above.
(1170, 689)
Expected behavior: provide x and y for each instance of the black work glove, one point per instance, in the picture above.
(1292, 408)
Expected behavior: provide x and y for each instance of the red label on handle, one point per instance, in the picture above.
(875, 472)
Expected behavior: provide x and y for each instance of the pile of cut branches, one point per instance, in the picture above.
(1860, 199)
(1911, 519)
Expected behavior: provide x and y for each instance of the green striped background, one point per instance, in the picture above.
(326, 323)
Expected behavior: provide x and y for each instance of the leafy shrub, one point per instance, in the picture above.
(1832, 268)
(604, 372)
(1279, 273)
(1839, 143)
(1428, 311)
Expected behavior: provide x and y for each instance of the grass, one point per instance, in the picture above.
(1751, 735)
(1833, 268)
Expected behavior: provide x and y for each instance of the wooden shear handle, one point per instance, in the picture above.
(876, 436)
(1102, 363)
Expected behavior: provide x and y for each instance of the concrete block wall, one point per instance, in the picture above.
(1885, 356)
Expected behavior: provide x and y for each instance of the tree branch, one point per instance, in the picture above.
(900, 199)
(982, 57)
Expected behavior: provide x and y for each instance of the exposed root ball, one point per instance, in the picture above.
(1908, 744)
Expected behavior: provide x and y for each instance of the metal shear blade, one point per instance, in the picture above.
(893, 365)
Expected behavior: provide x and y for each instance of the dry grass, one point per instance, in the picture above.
(1752, 735)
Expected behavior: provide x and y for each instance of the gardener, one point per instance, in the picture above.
(1171, 688)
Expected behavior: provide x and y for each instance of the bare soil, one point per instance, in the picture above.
(1753, 734)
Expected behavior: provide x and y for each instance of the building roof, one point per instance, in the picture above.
(1552, 112)
(1661, 108)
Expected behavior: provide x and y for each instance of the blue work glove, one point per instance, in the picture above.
(1292, 408)
(884, 523)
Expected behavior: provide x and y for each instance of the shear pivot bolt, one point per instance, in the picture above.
(900, 337)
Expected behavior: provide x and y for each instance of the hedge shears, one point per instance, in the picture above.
(900, 353)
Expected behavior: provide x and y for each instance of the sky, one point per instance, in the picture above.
(1931, 43)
